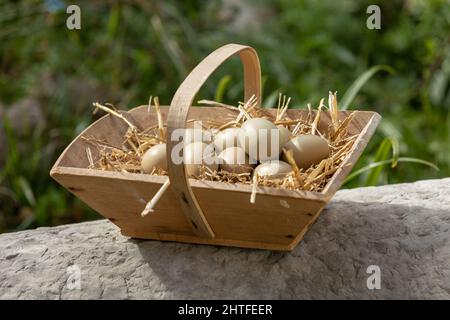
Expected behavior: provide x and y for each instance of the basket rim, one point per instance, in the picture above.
(325, 195)
(195, 183)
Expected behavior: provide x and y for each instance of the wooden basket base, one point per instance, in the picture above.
(218, 242)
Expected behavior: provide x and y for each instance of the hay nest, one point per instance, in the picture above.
(126, 157)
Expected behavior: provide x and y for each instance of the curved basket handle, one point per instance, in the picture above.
(178, 112)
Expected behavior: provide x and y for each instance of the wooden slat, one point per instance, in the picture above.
(273, 221)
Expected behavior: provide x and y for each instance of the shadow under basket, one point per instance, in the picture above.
(278, 219)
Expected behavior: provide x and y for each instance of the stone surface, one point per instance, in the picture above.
(403, 229)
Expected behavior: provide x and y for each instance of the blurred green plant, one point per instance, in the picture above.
(373, 172)
(352, 91)
(129, 50)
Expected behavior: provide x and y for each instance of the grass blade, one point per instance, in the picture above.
(382, 154)
(221, 87)
(385, 162)
(26, 190)
(420, 161)
(354, 88)
(395, 151)
(170, 46)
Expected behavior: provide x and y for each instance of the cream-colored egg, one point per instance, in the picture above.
(197, 154)
(285, 135)
(308, 149)
(154, 158)
(256, 138)
(273, 169)
(227, 138)
(235, 160)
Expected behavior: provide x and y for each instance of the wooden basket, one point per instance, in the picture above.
(196, 211)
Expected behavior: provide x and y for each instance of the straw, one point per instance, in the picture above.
(126, 156)
(152, 203)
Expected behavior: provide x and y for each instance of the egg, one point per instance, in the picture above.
(154, 158)
(255, 137)
(235, 160)
(274, 169)
(308, 149)
(226, 139)
(285, 135)
(197, 154)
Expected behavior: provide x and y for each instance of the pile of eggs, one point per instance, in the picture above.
(254, 147)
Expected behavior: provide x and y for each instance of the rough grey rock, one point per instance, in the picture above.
(403, 229)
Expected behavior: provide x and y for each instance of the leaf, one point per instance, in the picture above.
(354, 88)
(416, 160)
(385, 162)
(382, 154)
(113, 21)
(221, 87)
(395, 151)
(169, 45)
(27, 191)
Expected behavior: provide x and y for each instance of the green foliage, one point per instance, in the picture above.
(354, 88)
(383, 154)
(374, 173)
(221, 87)
(377, 164)
(128, 50)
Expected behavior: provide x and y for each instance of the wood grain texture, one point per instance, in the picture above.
(178, 112)
(267, 224)
(201, 211)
